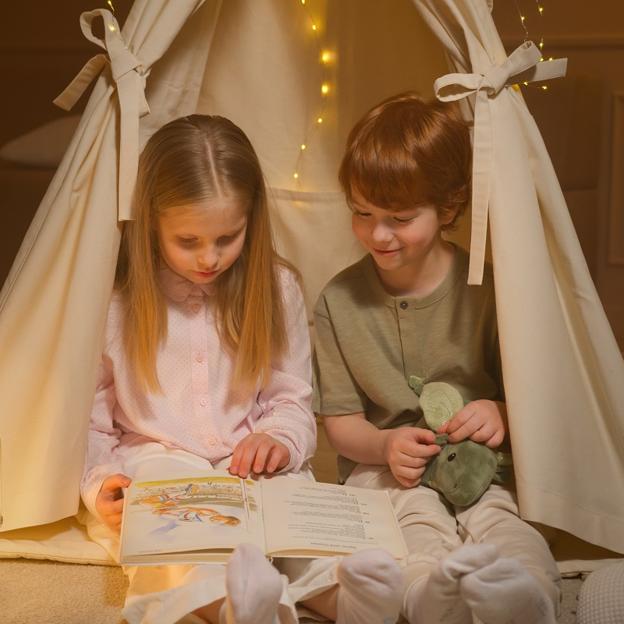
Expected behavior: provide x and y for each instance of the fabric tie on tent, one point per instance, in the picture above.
(524, 59)
(129, 76)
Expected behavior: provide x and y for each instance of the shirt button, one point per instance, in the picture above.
(403, 305)
(203, 402)
(199, 357)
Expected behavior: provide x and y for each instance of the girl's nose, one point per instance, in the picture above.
(209, 260)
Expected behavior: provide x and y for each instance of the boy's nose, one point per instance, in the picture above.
(381, 233)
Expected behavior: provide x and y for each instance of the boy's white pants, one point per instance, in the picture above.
(433, 528)
(165, 594)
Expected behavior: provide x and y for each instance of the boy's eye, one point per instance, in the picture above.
(359, 213)
(403, 219)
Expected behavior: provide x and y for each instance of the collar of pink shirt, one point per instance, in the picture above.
(179, 289)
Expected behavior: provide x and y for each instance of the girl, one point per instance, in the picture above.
(206, 363)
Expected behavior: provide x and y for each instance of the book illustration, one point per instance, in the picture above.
(214, 500)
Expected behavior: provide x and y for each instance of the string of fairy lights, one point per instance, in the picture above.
(523, 22)
(327, 59)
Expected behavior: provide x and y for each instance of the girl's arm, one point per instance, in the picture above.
(103, 438)
(286, 401)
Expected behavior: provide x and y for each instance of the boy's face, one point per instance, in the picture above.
(396, 239)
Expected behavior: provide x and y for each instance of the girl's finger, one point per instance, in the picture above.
(262, 453)
(247, 457)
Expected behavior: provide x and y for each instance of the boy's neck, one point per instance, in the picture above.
(419, 279)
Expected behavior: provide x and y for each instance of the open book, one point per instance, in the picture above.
(202, 518)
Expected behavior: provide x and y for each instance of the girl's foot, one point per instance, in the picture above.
(253, 588)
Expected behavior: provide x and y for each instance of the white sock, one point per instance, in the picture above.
(253, 588)
(437, 599)
(505, 593)
(370, 588)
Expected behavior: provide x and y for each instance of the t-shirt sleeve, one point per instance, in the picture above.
(335, 390)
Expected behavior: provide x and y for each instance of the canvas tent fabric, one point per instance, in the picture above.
(246, 60)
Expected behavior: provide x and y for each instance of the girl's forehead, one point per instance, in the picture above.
(221, 213)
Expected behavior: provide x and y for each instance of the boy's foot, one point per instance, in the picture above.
(437, 599)
(505, 593)
(370, 586)
(253, 588)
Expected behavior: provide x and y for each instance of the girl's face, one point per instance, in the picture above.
(201, 241)
(396, 239)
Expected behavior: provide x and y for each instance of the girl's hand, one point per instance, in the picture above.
(407, 451)
(109, 501)
(481, 421)
(258, 453)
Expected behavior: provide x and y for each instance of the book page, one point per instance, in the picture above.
(307, 518)
(214, 511)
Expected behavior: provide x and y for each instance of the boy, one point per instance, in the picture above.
(405, 309)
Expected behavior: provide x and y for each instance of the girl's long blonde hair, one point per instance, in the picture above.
(190, 160)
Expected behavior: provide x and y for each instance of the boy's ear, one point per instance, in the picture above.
(446, 215)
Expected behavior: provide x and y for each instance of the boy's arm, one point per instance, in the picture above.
(405, 450)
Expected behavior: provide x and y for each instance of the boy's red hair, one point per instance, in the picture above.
(406, 151)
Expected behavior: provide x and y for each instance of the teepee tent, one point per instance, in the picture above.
(257, 62)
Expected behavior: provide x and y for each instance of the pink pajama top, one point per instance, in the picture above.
(196, 410)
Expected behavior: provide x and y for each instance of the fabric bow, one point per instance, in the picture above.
(129, 76)
(522, 65)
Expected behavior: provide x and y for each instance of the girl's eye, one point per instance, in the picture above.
(226, 240)
(187, 242)
(359, 213)
(402, 220)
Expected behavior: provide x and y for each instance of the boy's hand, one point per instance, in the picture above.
(481, 421)
(407, 451)
(258, 453)
(109, 501)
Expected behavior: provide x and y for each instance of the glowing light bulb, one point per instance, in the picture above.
(326, 57)
(314, 27)
(296, 175)
(303, 146)
(302, 1)
(522, 18)
(540, 9)
(544, 88)
(319, 120)
(324, 88)
(111, 27)
(525, 83)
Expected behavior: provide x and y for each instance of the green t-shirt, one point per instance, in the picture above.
(368, 343)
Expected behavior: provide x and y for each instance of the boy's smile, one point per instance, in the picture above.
(403, 243)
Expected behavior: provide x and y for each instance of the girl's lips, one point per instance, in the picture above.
(206, 273)
(385, 251)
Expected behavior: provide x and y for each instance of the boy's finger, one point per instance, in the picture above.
(465, 431)
(422, 436)
(462, 417)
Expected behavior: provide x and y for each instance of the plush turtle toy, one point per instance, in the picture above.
(460, 472)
